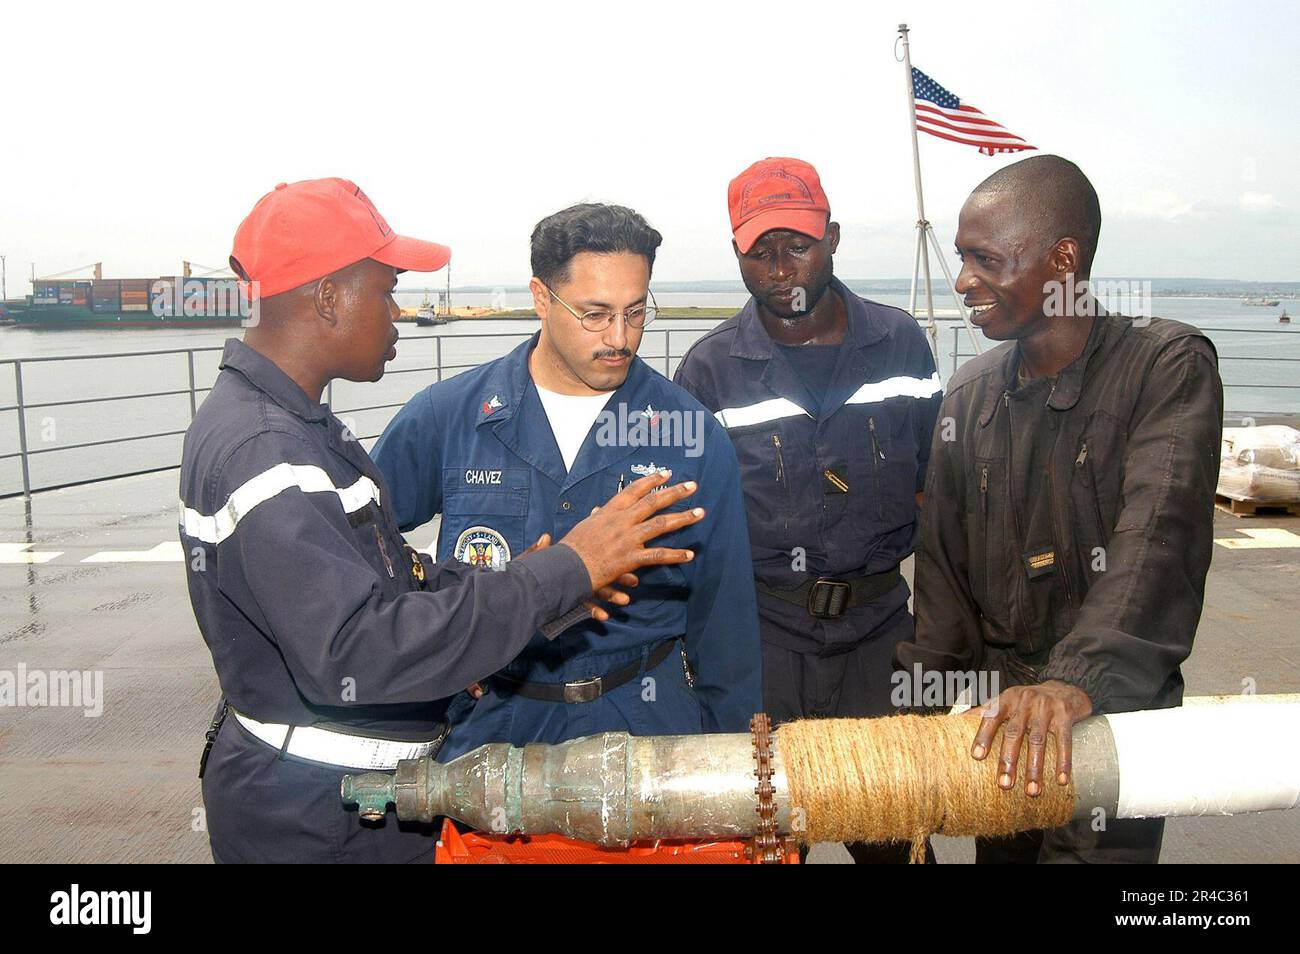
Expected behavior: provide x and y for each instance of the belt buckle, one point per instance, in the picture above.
(584, 690)
(829, 598)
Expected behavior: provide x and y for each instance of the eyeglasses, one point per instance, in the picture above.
(636, 317)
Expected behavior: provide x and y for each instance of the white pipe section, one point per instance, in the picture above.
(1207, 758)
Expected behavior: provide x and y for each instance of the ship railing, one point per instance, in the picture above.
(665, 359)
(956, 354)
(440, 369)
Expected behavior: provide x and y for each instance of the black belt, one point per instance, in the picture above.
(830, 596)
(587, 690)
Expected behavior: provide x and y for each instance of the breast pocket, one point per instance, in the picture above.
(889, 442)
(1099, 476)
(484, 515)
(765, 459)
(659, 584)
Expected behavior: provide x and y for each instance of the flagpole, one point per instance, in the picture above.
(924, 231)
(922, 255)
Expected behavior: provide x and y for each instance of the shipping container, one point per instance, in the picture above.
(105, 295)
(145, 301)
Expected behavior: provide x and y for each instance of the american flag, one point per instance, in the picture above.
(940, 113)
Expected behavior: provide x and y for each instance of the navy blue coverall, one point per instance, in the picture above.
(316, 614)
(830, 488)
(478, 449)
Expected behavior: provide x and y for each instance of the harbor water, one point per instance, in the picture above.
(1253, 348)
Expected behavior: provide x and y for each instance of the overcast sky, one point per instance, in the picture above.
(141, 134)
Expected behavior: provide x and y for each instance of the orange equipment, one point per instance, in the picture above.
(475, 848)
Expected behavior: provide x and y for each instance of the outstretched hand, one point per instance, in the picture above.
(1049, 708)
(612, 541)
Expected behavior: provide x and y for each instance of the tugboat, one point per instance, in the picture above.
(425, 316)
(428, 314)
(1284, 318)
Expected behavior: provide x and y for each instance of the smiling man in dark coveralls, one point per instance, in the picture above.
(1069, 510)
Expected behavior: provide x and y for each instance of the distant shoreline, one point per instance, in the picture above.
(1161, 288)
(711, 313)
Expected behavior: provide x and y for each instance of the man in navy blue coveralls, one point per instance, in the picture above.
(830, 401)
(336, 645)
(528, 444)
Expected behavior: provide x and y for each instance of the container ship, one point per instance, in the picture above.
(99, 302)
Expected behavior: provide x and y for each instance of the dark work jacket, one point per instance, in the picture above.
(872, 432)
(302, 586)
(1133, 444)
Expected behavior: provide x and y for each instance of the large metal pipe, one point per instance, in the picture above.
(614, 788)
(609, 789)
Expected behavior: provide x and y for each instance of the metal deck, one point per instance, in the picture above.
(91, 578)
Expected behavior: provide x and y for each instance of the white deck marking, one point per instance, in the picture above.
(14, 553)
(1263, 538)
(169, 552)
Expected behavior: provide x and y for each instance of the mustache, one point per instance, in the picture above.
(614, 353)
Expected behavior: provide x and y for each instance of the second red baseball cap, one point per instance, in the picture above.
(777, 193)
(303, 231)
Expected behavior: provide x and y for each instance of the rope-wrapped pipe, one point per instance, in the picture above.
(898, 778)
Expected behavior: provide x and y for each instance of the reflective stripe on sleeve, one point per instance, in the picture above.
(263, 487)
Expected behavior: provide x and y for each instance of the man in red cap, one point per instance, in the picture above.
(830, 401)
(337, 646)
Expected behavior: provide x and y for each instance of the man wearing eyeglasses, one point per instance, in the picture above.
(518, 450)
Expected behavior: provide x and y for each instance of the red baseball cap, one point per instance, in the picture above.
(303, 231)
(777, 193)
